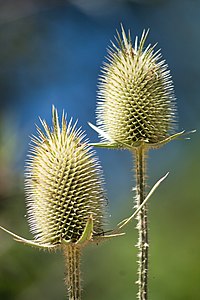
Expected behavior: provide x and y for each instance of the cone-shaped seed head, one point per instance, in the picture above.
(63, 184)
(135, 98)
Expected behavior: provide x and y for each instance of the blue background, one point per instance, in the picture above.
(51, 52)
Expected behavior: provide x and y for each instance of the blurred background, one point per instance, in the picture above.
(51, 52)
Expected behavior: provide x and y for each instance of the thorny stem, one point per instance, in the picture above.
(142, 224)
(72, 262)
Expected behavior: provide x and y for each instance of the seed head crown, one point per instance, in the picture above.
(63, 184)
(136, 102)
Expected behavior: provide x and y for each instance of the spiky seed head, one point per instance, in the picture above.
(63, 184)
(136, 102)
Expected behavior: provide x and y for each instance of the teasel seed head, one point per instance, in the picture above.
(136, 102)
(64, 185)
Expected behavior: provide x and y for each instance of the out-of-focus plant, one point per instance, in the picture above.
(9, 157)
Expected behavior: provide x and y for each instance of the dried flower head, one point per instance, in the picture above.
(63, 185)
(136, 102)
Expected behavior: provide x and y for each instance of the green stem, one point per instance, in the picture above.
(142, 224)
(73, 280)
